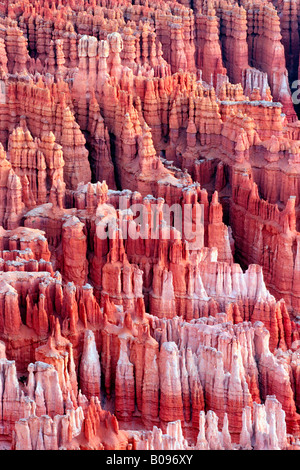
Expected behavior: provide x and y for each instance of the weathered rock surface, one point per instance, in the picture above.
(149, 225)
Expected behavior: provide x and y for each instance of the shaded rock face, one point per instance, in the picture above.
(149, 217)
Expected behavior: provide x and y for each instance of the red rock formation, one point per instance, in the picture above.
(262, 48)
(234, 41)
(90, 371)
(74, 243)
(149, 212)
(209, 54)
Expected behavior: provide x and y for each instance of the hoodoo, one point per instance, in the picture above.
(149, 217)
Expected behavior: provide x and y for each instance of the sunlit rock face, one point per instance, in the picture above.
(149, 216)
